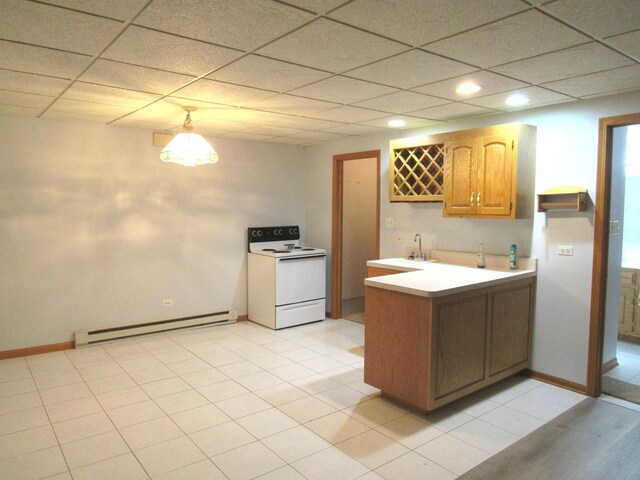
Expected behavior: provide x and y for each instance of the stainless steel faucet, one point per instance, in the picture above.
(419, 255)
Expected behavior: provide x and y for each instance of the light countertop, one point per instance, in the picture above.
(430, 279)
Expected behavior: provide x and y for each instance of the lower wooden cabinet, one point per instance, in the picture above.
(629, 320)
(427, 352)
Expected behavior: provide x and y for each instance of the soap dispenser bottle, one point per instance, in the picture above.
(480, 262)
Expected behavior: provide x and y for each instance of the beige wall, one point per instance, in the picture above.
(359, 223)
(96, 231)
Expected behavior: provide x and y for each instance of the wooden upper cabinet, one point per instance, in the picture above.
(489, 174)
(460, 177)
(495, 162)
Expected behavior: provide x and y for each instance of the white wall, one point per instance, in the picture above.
(96, 231)
(567, 138)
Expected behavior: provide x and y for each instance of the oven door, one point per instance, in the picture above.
(299, 279)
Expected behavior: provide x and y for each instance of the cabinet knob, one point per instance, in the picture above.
(478, 198)
(471, 199)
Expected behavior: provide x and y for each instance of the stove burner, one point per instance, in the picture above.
(281, 251)
(268, 249)
(307, 249)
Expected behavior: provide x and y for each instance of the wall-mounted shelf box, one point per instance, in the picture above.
(565, 197)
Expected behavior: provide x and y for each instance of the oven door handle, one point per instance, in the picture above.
(305, 257)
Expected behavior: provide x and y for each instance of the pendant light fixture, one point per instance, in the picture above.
(187, 148)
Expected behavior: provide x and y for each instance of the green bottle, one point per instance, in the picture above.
(513, 257)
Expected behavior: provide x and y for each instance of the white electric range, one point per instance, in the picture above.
(286, 281)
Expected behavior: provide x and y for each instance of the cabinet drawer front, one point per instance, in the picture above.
(628, 277)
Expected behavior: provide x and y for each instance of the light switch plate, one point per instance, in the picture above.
(388, 222)
(565, 250)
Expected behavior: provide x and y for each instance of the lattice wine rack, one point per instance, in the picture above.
(417, 173)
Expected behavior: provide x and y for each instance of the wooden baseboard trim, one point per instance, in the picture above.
(25, 352)
(610, 365)
(558, 382)
(242, 318)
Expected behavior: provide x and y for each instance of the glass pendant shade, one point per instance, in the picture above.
(190, 150)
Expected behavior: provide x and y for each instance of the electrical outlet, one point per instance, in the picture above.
(167, 302)
(388, 222)
(565, 250)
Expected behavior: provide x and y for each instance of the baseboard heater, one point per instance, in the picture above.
(84, 338)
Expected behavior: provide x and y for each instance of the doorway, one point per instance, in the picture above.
(601, 250)
(621, 351)
(355, 229)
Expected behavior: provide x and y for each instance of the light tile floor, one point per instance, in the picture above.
(628, 369)
(242, 402)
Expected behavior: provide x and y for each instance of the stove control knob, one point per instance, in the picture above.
(259, 233)
(296, 231)
(280, 231)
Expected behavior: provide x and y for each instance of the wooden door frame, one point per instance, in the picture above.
(336, 222)
(601, 248)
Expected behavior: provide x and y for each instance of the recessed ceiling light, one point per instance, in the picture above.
(396, 123)
(467, 88)
(516, 100)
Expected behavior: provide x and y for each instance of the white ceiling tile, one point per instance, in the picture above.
(55, 27)
(170, 113)
(79, 115)
(490, 83)
(24, 99)
(417, 22)
(272, 131)
(317, 136)
(131, 77)
(292, 121)
(118, 9)
(261, 72)
(410, 122)
(90, 108)
(598, 17)
(218, 92)
(18, 111)
(149, 48)
(401, 102)
(43, 61)
(215, 125)
(628, 43)
(318, 6)
(621, 79)
(155, 123)
(27, 83)
(537, 96)
(348, 114)
(288, 140)
(242, 24)
(343, 90)
(331, 46)
(354, 129)
(89, 92)
(451, 111)
(521, 36)
(411, 69)
(571, 62)
(248, 136)
(293, 105)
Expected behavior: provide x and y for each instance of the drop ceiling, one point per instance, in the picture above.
(307, 71)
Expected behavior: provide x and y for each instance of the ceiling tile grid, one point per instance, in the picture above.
(307, 71)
